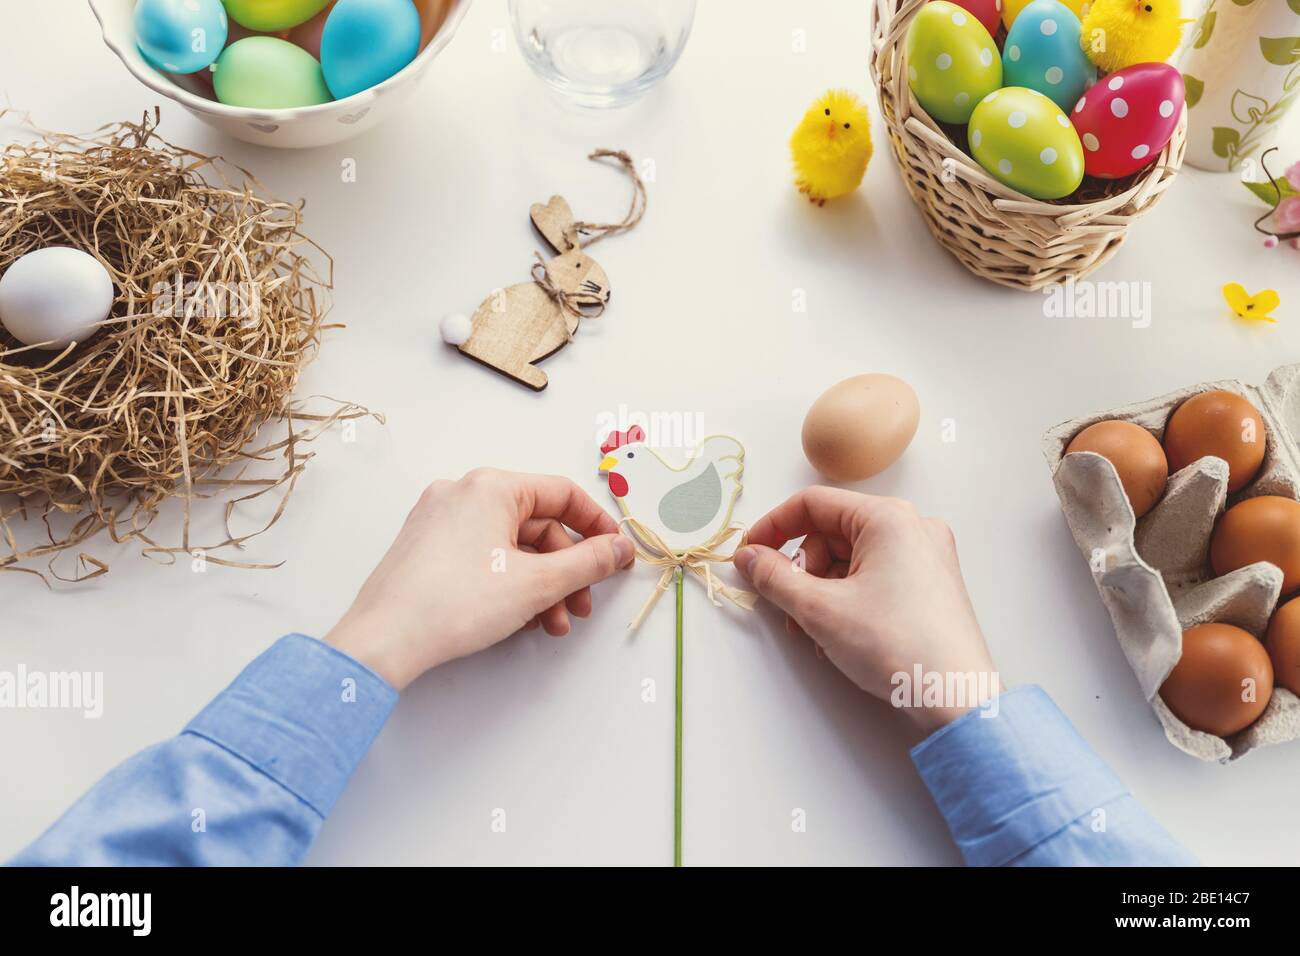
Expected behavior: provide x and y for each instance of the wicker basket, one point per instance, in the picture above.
(994, 231)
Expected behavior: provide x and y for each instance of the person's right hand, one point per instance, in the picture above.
(880, 590)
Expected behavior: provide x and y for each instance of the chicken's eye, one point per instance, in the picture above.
(1148, 8)
(828, 112)
(846, 125)
(631, 455)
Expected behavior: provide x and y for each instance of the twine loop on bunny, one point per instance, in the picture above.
(570, 302)
(602, 230)
(652, 549)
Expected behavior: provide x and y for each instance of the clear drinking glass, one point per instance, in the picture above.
(602, 53)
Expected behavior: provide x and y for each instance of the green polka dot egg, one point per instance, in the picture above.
(952, 62)
(1024, 141)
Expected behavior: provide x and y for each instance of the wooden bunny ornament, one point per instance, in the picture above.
(515, 328)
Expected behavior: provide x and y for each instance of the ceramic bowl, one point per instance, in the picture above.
(295, 128)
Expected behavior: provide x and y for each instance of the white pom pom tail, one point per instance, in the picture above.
(456, 328)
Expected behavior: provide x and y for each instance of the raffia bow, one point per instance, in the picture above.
(652, 549)
(568, 302)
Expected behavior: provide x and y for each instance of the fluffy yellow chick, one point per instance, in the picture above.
(1119, 33)
(831, 146)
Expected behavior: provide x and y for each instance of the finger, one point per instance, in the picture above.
(534, 530)
(802, 596)
(816, 554)
(550, 496)
(833, 512)
(555, 620)
(564, 572)
(548, 536)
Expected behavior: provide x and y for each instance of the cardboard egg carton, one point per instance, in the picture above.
(1154, 574)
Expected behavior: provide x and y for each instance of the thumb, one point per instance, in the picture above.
(593, 559)
(775, 577)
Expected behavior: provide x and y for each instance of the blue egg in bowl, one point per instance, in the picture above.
(180, 36)
(367, 41)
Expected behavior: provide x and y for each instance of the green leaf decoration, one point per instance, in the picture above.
(1195, 87)
(1294, 5)
(1205, 29)
(1280, 51)
(1248, 108)
(1225, 141)
(1268, 195)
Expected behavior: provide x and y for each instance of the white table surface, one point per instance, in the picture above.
(555, 731)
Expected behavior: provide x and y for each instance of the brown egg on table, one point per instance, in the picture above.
(1283, 645)
(1137, 456)
(1266, 528)
(1222, 682)
(1218, 423)
(860, 427)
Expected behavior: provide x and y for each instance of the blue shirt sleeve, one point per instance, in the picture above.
(1019, 786)
(249, 780)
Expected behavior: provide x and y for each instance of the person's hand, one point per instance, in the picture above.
(880, 591)
(477, 560)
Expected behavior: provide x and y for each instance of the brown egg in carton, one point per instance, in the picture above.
(1154, 573)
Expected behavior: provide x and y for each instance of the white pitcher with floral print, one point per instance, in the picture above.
(1241, 65)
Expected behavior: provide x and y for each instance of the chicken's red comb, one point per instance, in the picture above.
(617, 439)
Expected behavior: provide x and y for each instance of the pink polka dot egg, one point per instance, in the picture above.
(1127, 118)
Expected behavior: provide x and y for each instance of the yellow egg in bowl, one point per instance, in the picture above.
(293, 128)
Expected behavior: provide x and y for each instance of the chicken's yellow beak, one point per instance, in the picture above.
(608, 463)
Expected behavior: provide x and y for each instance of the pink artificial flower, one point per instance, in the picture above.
(1293, 176)
(1287, 216)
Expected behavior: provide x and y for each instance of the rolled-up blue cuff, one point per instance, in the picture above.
(302, 713)
(1009, 781)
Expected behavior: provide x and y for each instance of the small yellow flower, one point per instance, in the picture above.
(1254, 308)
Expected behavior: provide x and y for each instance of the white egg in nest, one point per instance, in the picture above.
(54, 296)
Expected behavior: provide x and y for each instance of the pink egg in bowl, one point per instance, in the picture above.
(299, 127)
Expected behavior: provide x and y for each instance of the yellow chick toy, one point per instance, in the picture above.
(1119, 33)
(831, 146)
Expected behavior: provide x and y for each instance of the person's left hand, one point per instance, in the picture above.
(477, 560)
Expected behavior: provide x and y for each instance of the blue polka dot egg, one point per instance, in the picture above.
(180, 36)
(1042, 52)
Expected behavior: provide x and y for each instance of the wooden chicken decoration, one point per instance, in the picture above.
(518, 327)
(683, 505)
(678, 516)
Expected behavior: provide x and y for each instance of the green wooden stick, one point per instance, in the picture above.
(677, 747)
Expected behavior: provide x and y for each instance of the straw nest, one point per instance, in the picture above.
(220, 303)
(992, 230)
